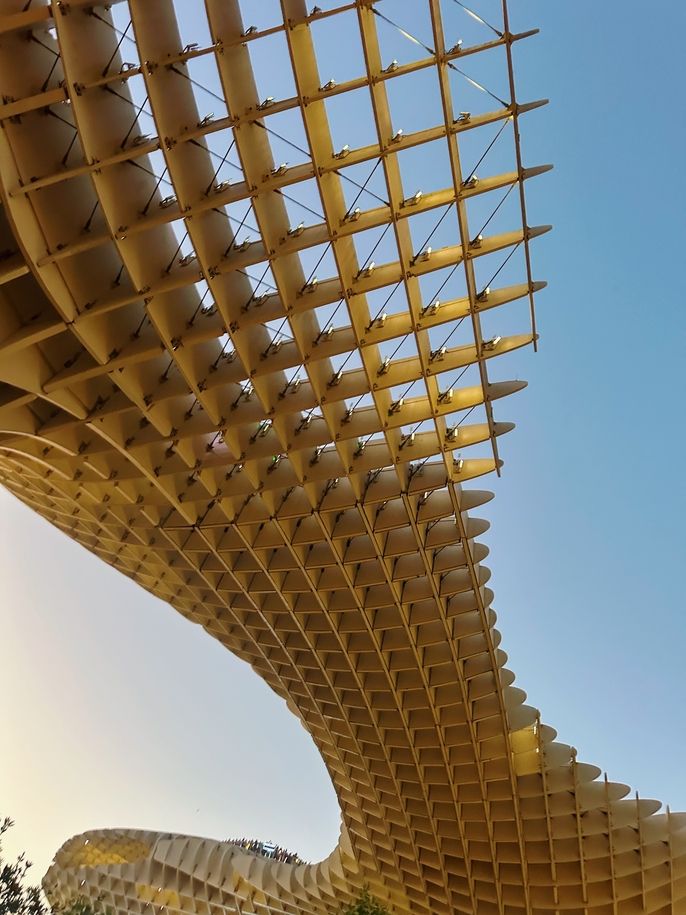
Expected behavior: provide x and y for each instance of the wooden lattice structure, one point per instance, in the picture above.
(281, 488)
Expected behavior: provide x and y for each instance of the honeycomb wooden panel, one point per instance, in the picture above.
(280, 458)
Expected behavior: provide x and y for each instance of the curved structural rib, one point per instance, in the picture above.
(280, 458)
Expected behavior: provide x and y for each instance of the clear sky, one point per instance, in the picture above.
(116, 711)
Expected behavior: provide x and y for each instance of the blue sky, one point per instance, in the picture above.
(122, 713)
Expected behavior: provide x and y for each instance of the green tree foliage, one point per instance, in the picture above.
(365, 904)
(18, 897)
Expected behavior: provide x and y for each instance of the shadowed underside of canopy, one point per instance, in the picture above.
(273, 433)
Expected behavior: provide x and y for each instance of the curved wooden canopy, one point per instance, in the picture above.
(280, 450)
